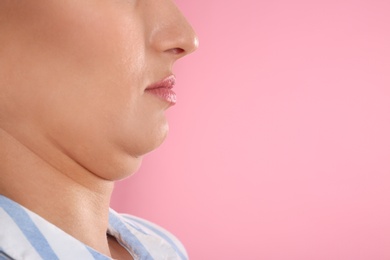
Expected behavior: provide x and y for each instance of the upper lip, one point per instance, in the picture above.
(167, 82)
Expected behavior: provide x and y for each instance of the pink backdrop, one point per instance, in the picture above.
(280, 143)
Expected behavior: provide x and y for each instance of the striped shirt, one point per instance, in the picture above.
(25, 235)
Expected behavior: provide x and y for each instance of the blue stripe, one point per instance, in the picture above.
(4, 256)
(97, 255)
(163, 235)
(28, 227)
(129, 221)
(129, 238)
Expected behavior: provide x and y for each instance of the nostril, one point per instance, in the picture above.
(176, 51)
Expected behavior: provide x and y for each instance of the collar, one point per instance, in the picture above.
(26, 235)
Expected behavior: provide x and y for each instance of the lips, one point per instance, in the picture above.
(163, 89)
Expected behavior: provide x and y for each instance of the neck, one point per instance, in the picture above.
(64, 193)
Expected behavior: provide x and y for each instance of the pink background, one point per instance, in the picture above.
(280, 143)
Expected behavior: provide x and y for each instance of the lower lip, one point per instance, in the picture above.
(165, 94)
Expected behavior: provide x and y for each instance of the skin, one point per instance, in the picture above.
(74, 114)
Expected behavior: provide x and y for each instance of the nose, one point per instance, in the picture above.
(172, 34)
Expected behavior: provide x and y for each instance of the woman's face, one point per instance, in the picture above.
(73, 75)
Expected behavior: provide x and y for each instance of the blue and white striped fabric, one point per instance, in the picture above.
(24, 235)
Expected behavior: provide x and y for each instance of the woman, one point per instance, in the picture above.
(83, 89)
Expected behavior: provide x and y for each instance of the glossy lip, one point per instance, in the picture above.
(163, 89)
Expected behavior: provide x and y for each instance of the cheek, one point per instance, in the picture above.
(82, 36)
(88, 73)
(83, 64)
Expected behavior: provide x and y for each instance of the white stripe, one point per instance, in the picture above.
(174, 239)
(156, 246)
(12, 239)
(64, 245)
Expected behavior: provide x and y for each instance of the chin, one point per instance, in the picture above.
(128, 164)
(127, 151)
(160, 137)
(152, 138)
(120, 168)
